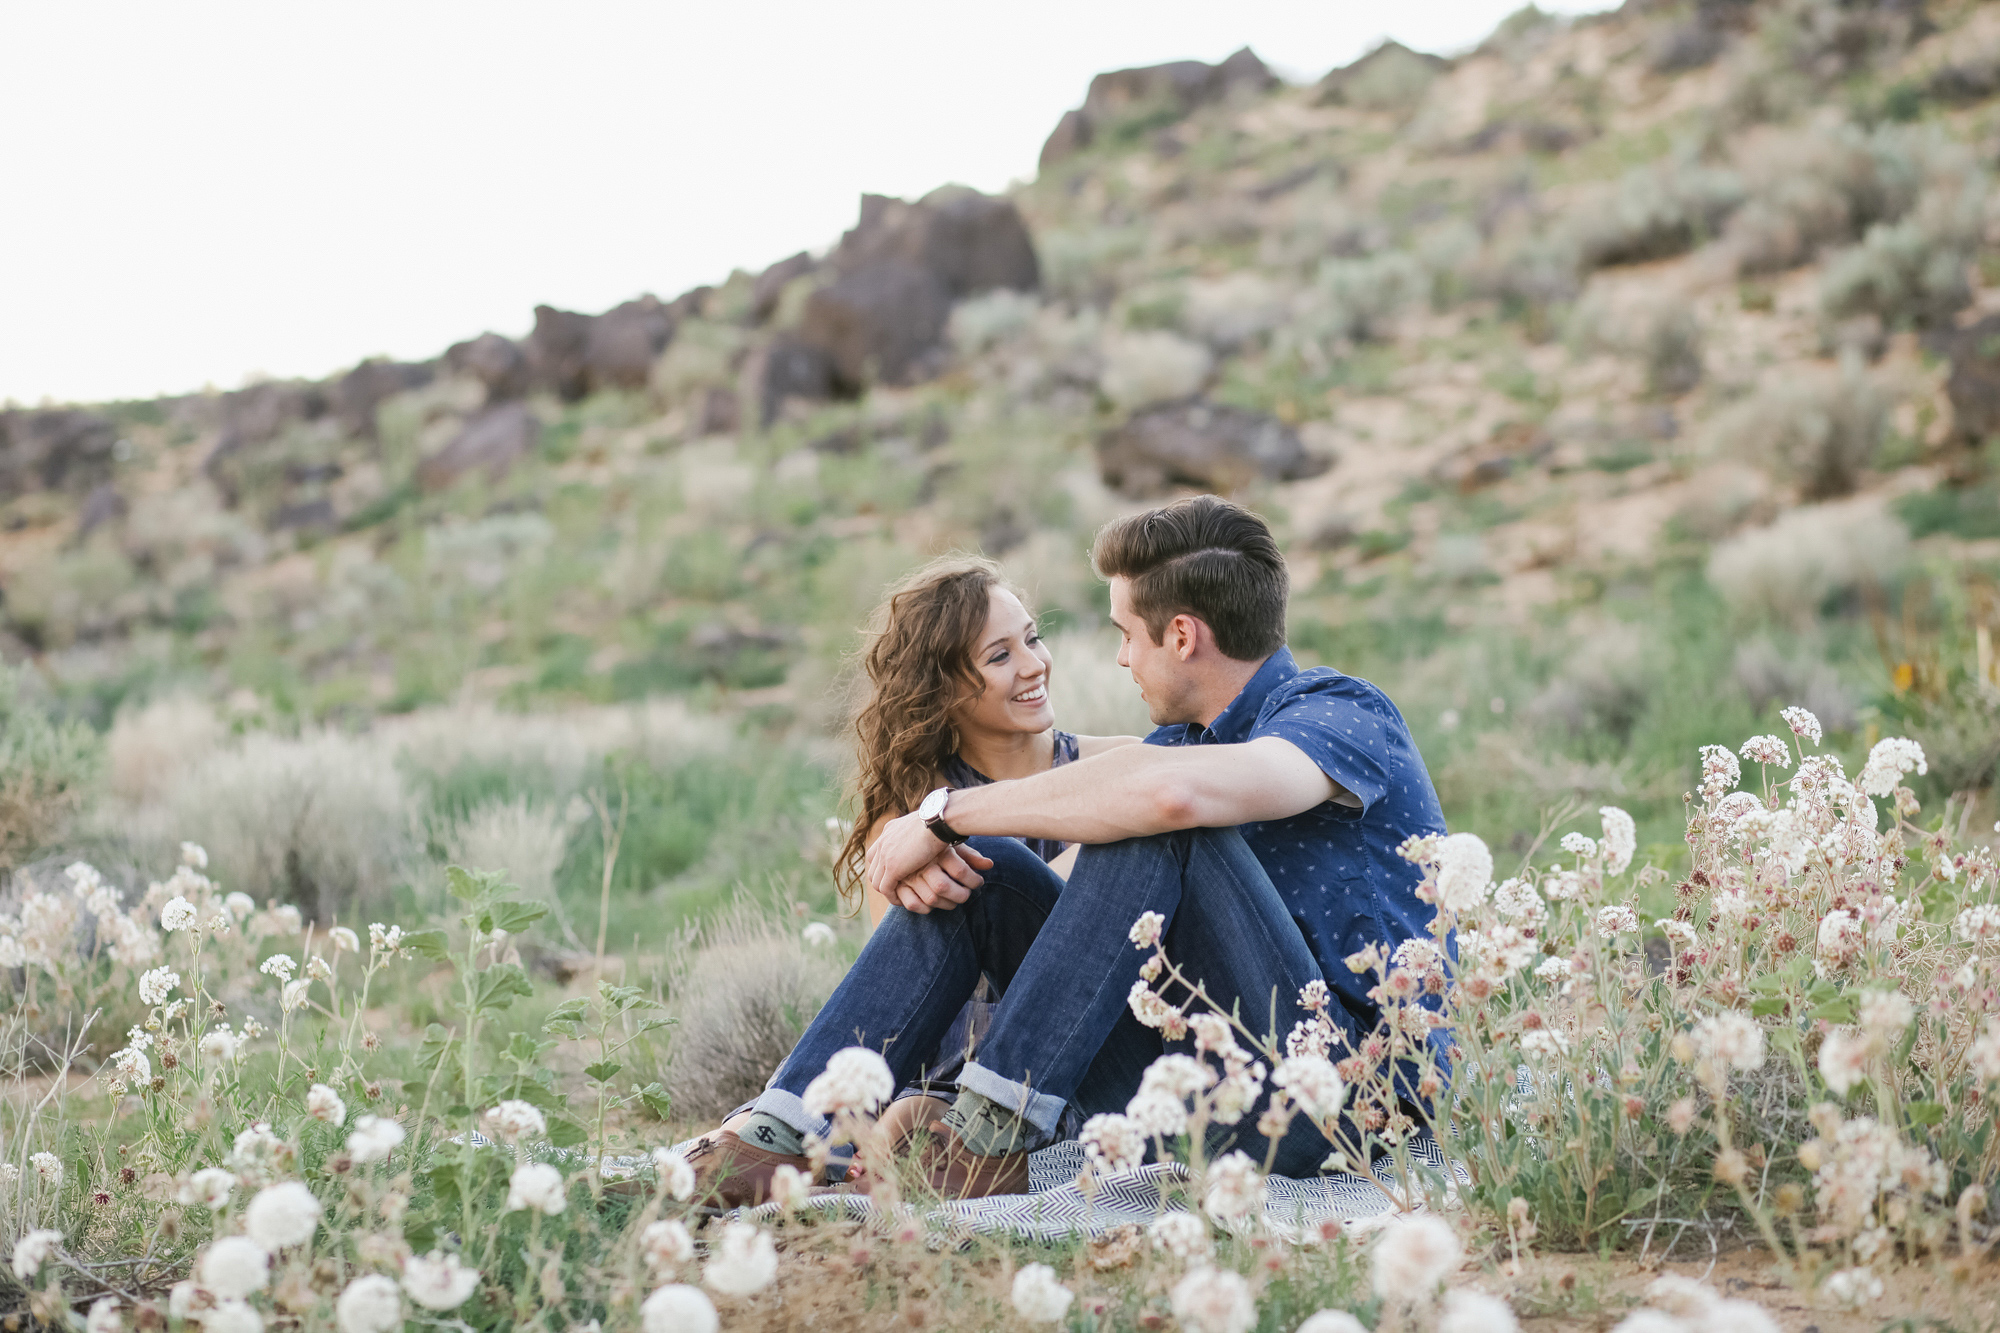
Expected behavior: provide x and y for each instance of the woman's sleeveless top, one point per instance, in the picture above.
(958, 773)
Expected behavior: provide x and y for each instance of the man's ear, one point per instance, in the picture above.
(1184, 635)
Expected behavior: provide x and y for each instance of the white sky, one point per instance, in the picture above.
(196, 192)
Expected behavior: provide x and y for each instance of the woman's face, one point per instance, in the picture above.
(1015, 665)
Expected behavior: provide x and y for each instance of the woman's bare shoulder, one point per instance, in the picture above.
(1086, 746)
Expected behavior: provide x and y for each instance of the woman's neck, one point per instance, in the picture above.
(1003, 755)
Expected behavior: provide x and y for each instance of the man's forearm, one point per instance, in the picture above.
(1130, 792)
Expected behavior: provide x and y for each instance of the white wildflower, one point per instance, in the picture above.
(1464, 870)
(1979, 924)
(178, 914)
(1580, 845)
(1802, 723)
(1732, 1039)
(232, 1316)
(817, 934)
(194, 856)
(678, 1309)
(240, 906)
(1852, 1287)
(439, 1281)
(1544, 1044)
(234, 1266)
(666, 1243)
(1147, 930)
(1214, 1300)
(676, 1173)
(1183, 1235)
(1616, 920)
(294, 994)
(285, 919)
(282, 1215)
(104, 1316)
(1719, 771)
(369, 1304)
(539, 1186)
(33, 1250)
(1843, 1059)
(1517, 898)
(278, 965)
(790, 1187)
(219, 1043)
(1475, 1312)
(744, 1262)
(1885, 1013)
(1312, 1084)
(209, 1187)
(1332, 1321)
(1413, 1258)
(323, 1103)
(1234, 1188)
(513, 1121)
(344, 940)
(1767, 750)
(48, 1166)
(856, 1080)
(1887, 763)
(1113, 1143)
(1621, 839)
(1985, 1052)
(374, 1138)
(1038, 1297)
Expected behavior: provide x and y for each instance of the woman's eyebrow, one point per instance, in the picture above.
(1004, 637)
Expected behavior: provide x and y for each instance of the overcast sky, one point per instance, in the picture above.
(195, 193)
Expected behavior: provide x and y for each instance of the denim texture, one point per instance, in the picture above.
(1061, 960)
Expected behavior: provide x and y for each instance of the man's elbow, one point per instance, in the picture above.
(1176, 804)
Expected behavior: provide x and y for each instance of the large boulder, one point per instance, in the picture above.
(1175, 88)
(491, 441)
(1974, 384)
(252, 417)
(574, 354)
(62, 448)
(771, 283)
(898, 272)
(1207, 445)
(361, 390)
(785, 367)
(496, 362)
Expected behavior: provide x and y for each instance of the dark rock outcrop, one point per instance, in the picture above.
(898, 271)
(496, 362)
(575, 354)
(785, 367)
(103, 505)
(490, 442)
(62, 448)
(1974, 384)
(361, 390)
(1177, 87)
(1207, 445)
(252, 417)
(771, 284)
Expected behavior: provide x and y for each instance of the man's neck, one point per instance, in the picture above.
(1225, 682)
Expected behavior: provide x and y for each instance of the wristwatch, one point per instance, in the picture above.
(931, 811)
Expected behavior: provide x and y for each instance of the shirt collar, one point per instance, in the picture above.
(1233, 724)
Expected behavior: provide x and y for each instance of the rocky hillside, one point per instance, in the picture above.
(1619, 375)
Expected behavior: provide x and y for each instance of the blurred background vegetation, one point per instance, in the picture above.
(1611, 386)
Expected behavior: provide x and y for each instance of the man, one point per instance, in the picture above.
(1261, 820)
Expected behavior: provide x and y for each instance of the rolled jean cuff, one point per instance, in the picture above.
(790, 1109)
(1037, 1108)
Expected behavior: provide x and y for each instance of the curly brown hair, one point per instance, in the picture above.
(919, 664)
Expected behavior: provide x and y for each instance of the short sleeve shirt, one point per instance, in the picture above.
(1335, 866)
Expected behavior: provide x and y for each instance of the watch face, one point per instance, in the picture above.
(933, 805)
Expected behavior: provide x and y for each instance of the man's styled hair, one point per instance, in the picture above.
(1203, 557)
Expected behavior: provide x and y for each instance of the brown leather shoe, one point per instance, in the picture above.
(956, 1173)
(733, 1174)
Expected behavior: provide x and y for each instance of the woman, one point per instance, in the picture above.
(958, 696)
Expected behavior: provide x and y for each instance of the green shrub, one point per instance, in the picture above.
(46, 771)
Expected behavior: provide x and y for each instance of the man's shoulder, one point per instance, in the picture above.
(1324, 683)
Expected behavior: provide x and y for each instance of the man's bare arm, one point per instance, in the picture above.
(1129, 792)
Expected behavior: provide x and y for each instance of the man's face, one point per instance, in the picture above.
(1162, 677)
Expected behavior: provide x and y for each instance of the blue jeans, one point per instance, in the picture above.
(1060, 958)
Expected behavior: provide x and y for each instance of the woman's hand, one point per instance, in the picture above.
(909, 866)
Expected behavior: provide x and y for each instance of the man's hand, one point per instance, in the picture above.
(910, 867)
